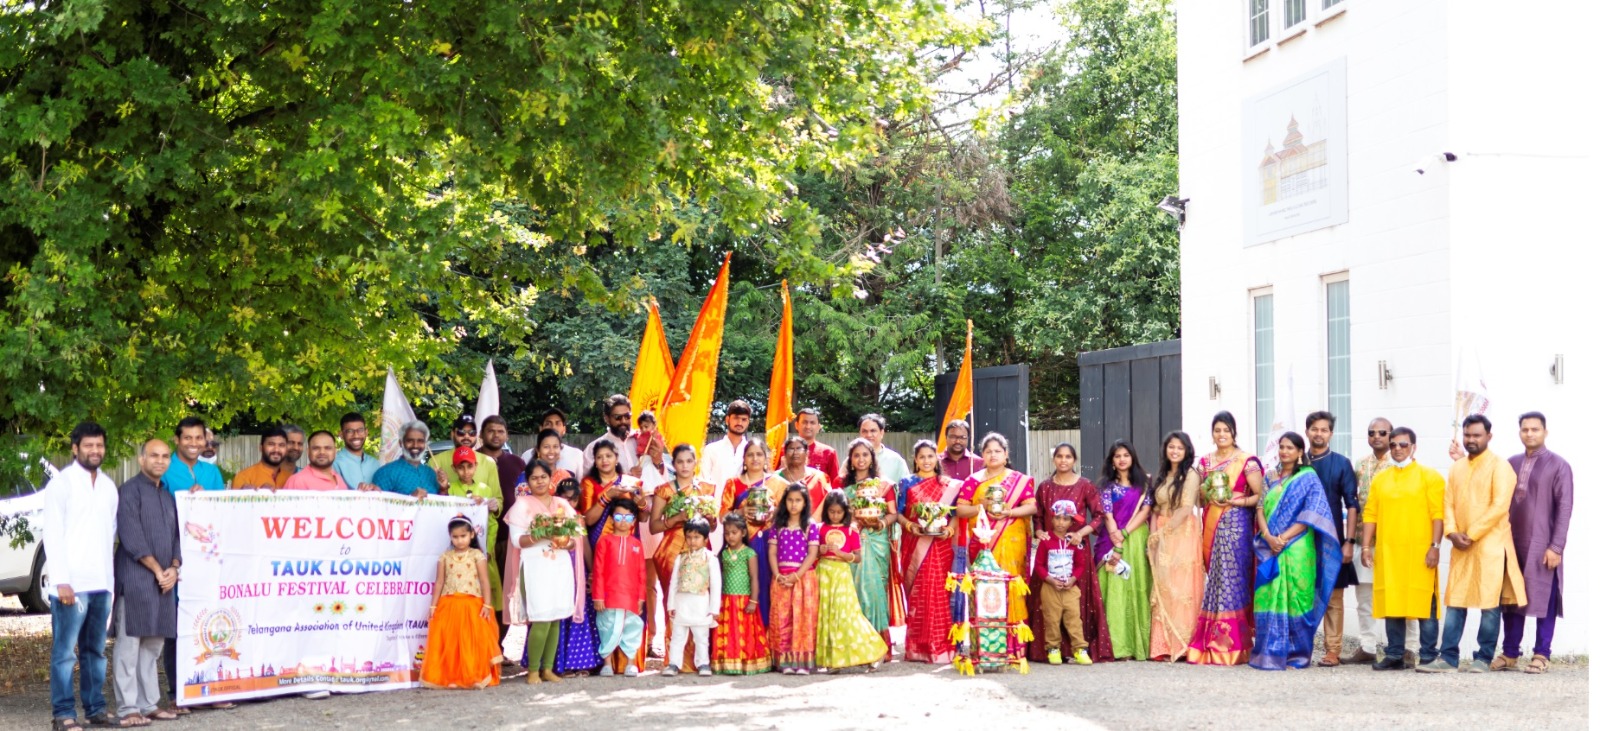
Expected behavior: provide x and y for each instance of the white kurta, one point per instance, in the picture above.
(548, 585)
(696, 609)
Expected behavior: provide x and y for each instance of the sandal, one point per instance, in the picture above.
(103, 718)
(1537, 665)
(133, 720)
(64, 724)
(162, 714)
(223, 706)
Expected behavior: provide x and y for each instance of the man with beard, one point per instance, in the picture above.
(273, 470)
(1339, 483)
(510, 468)
(295, 446)
(723, 459)
(209, 453)
(319, 474)
(618, 411)
(189, 471)
(80, 529)
(808, 424)
(353, 464)
(571, 459)
(958, 463)
(411, 475)
(1483, 562)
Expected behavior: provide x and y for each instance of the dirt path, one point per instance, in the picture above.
(1115, 696)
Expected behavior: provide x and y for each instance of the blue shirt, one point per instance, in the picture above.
(1339, 482)
(355, 469)
(181, 477)
(400, 476)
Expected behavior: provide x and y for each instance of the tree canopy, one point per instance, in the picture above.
(250, 209)
(247, 211)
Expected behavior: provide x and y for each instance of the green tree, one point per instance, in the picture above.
(1090, 154)
(246, 208)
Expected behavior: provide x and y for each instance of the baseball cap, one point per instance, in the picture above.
(464, 420)
(464, 454)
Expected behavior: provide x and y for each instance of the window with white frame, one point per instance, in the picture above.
(1338, 312)
(1294, 12)
(1259, 24)
(1330, 3)
(1264, 362)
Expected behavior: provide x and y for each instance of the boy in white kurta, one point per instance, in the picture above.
(694, 598)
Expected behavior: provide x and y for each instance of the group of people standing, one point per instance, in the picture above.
(1229, 562)
(799, 563)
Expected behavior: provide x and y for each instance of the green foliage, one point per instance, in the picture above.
(245, 208)
(1090, 156)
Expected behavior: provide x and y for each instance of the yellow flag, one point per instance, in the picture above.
(780, 394)
(960, 398)
(652, 372)
(694, 382)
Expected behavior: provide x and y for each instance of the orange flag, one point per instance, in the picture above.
(652, 372)
(960, 398)
(694, 382)
(780, 395)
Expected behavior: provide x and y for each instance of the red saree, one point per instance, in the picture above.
(927, 564)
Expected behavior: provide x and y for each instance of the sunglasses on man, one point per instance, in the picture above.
(1377, 433)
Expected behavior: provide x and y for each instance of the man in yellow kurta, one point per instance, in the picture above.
(1404, 521)
(1483, 563)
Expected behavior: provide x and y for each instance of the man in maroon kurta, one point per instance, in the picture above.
(819, 456)
(958, 462)
(1541, 509)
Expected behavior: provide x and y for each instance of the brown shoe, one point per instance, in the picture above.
(1362, 657)
(1537, 665)
(533, 678)
(1501, 662)
(549, 676)
(1330, 660)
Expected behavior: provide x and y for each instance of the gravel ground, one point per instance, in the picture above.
(1116, 696)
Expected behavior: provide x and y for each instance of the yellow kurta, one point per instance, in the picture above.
(1477, 503)
(1402, 503)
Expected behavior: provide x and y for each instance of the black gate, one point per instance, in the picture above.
(999, 404)
(1134, 394)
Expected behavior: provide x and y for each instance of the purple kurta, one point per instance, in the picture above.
(1541, 509)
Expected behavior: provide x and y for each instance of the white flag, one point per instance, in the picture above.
(1472, 394)
(1283, 422)
(488, 398)
(396, 412)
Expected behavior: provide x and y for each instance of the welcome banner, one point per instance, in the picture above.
(292, 592)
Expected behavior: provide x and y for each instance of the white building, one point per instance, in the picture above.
(1313, 246)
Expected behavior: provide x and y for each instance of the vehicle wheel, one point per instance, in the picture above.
(34, 598)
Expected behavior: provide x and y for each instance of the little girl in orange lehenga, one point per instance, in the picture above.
(463, 648)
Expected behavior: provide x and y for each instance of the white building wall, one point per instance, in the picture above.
(1435, 261)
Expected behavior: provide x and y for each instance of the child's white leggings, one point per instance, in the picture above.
(702, 645)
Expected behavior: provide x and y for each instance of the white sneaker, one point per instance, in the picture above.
(705, 671)
(606, 671)
(317, 695)
(630, 671)
(669, 671)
